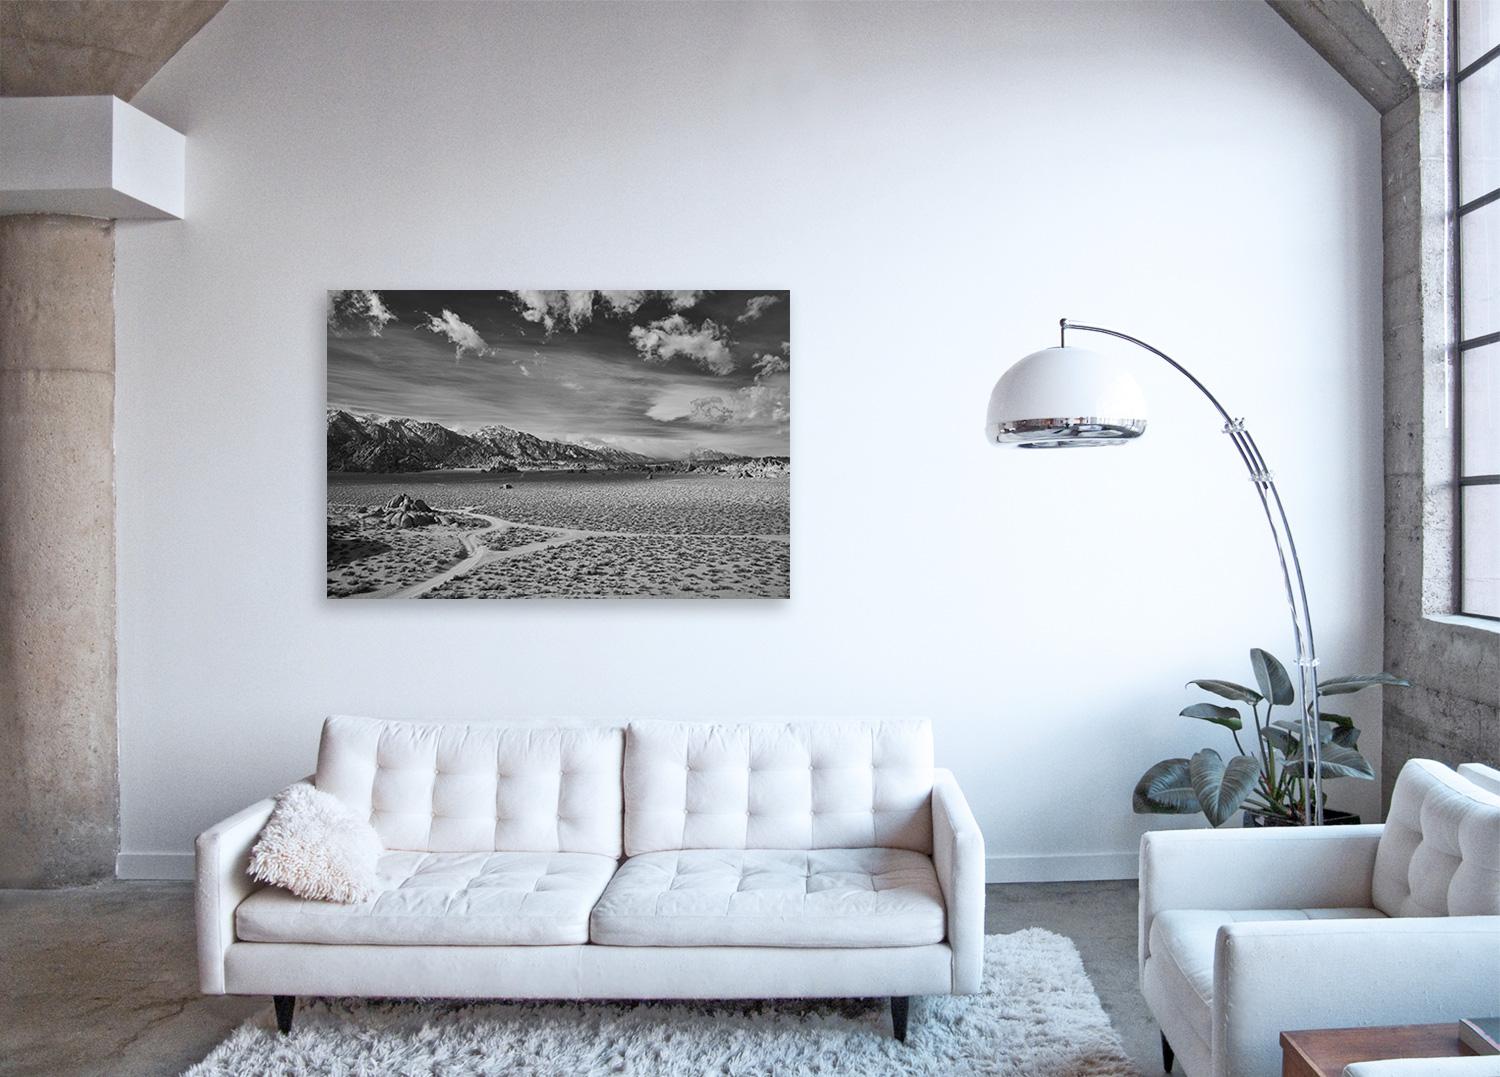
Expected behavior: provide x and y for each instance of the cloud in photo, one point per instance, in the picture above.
(768, 364)
(557, 309)
(672, 337)
(757, 306)
(356, 313)
(463, 336)
(682, 300)
(767, 403)
(674, 401)
(623, 302)
(550, 309)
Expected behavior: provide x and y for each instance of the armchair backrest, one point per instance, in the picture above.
(839, 783)
(1487, 778)
(1439, 854)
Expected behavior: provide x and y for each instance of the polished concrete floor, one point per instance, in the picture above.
(101, 979)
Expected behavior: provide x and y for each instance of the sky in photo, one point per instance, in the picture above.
(657, 372)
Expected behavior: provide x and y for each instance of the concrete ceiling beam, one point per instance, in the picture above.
(1385, 49)
(51, 48)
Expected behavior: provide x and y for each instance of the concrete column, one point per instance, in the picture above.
(59, 788)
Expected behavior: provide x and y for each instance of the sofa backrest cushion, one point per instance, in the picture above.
(776, 785)
(1439, 854)
(470, 787)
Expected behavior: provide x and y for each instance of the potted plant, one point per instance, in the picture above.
(1267, 779)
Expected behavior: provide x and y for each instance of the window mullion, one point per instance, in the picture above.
(1477, 63)
(1479, 202)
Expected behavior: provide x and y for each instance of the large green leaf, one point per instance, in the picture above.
(1281, 739)
(1222, 787)
(1165, 789)
(1346, 737)
(1270, 674)
(1338, 686)
(1229, 690)
(1342, 721)
(1212, 712)
(1338, 762)
(1294, 729)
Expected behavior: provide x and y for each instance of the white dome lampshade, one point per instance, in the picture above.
(1061, 398)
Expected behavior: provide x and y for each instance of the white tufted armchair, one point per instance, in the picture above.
(1245, 934)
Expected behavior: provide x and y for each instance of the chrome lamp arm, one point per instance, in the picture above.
(1291, 572)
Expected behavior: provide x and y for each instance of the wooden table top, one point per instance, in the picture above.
(1324, 1052)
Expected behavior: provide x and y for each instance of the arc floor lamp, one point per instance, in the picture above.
(1067, 397)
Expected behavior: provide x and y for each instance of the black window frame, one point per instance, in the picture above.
(1464, 344)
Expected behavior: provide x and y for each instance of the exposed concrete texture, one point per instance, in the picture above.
(102, 979)
(1352, 36)
(1385, 49)
(69, 47)
(1452, 711)
(1417, 31)
(59, 793)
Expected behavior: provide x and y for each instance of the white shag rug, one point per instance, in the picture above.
(1037, 1016)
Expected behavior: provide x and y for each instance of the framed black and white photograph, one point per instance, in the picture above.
(559, 444)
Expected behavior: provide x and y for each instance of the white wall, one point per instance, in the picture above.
(937, 185)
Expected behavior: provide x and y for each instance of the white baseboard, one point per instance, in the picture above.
(1050, 868)
(1061, 867)
(154, 866)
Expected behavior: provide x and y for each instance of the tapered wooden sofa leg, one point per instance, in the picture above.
(285, 1006)
(900, 1004)
(1167, 1057)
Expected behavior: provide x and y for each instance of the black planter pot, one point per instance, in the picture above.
(1331, 817)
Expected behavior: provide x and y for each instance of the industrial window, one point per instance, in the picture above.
(1475, 95)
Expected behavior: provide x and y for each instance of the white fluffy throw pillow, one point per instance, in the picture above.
(316, 847)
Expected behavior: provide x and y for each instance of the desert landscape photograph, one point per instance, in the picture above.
(559, 444)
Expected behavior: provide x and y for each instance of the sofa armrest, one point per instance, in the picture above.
(1291, 867)
(958, 856)
(222, 882)
(1275, 976)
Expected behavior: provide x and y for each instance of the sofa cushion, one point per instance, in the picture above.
(454, 899)
(771, 785)
(462, 787)
(1186, 937)
(317, 847)
(772, 897)
(1439, 854)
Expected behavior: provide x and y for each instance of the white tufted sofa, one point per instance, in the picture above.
(658, 860)
(1245, 934)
